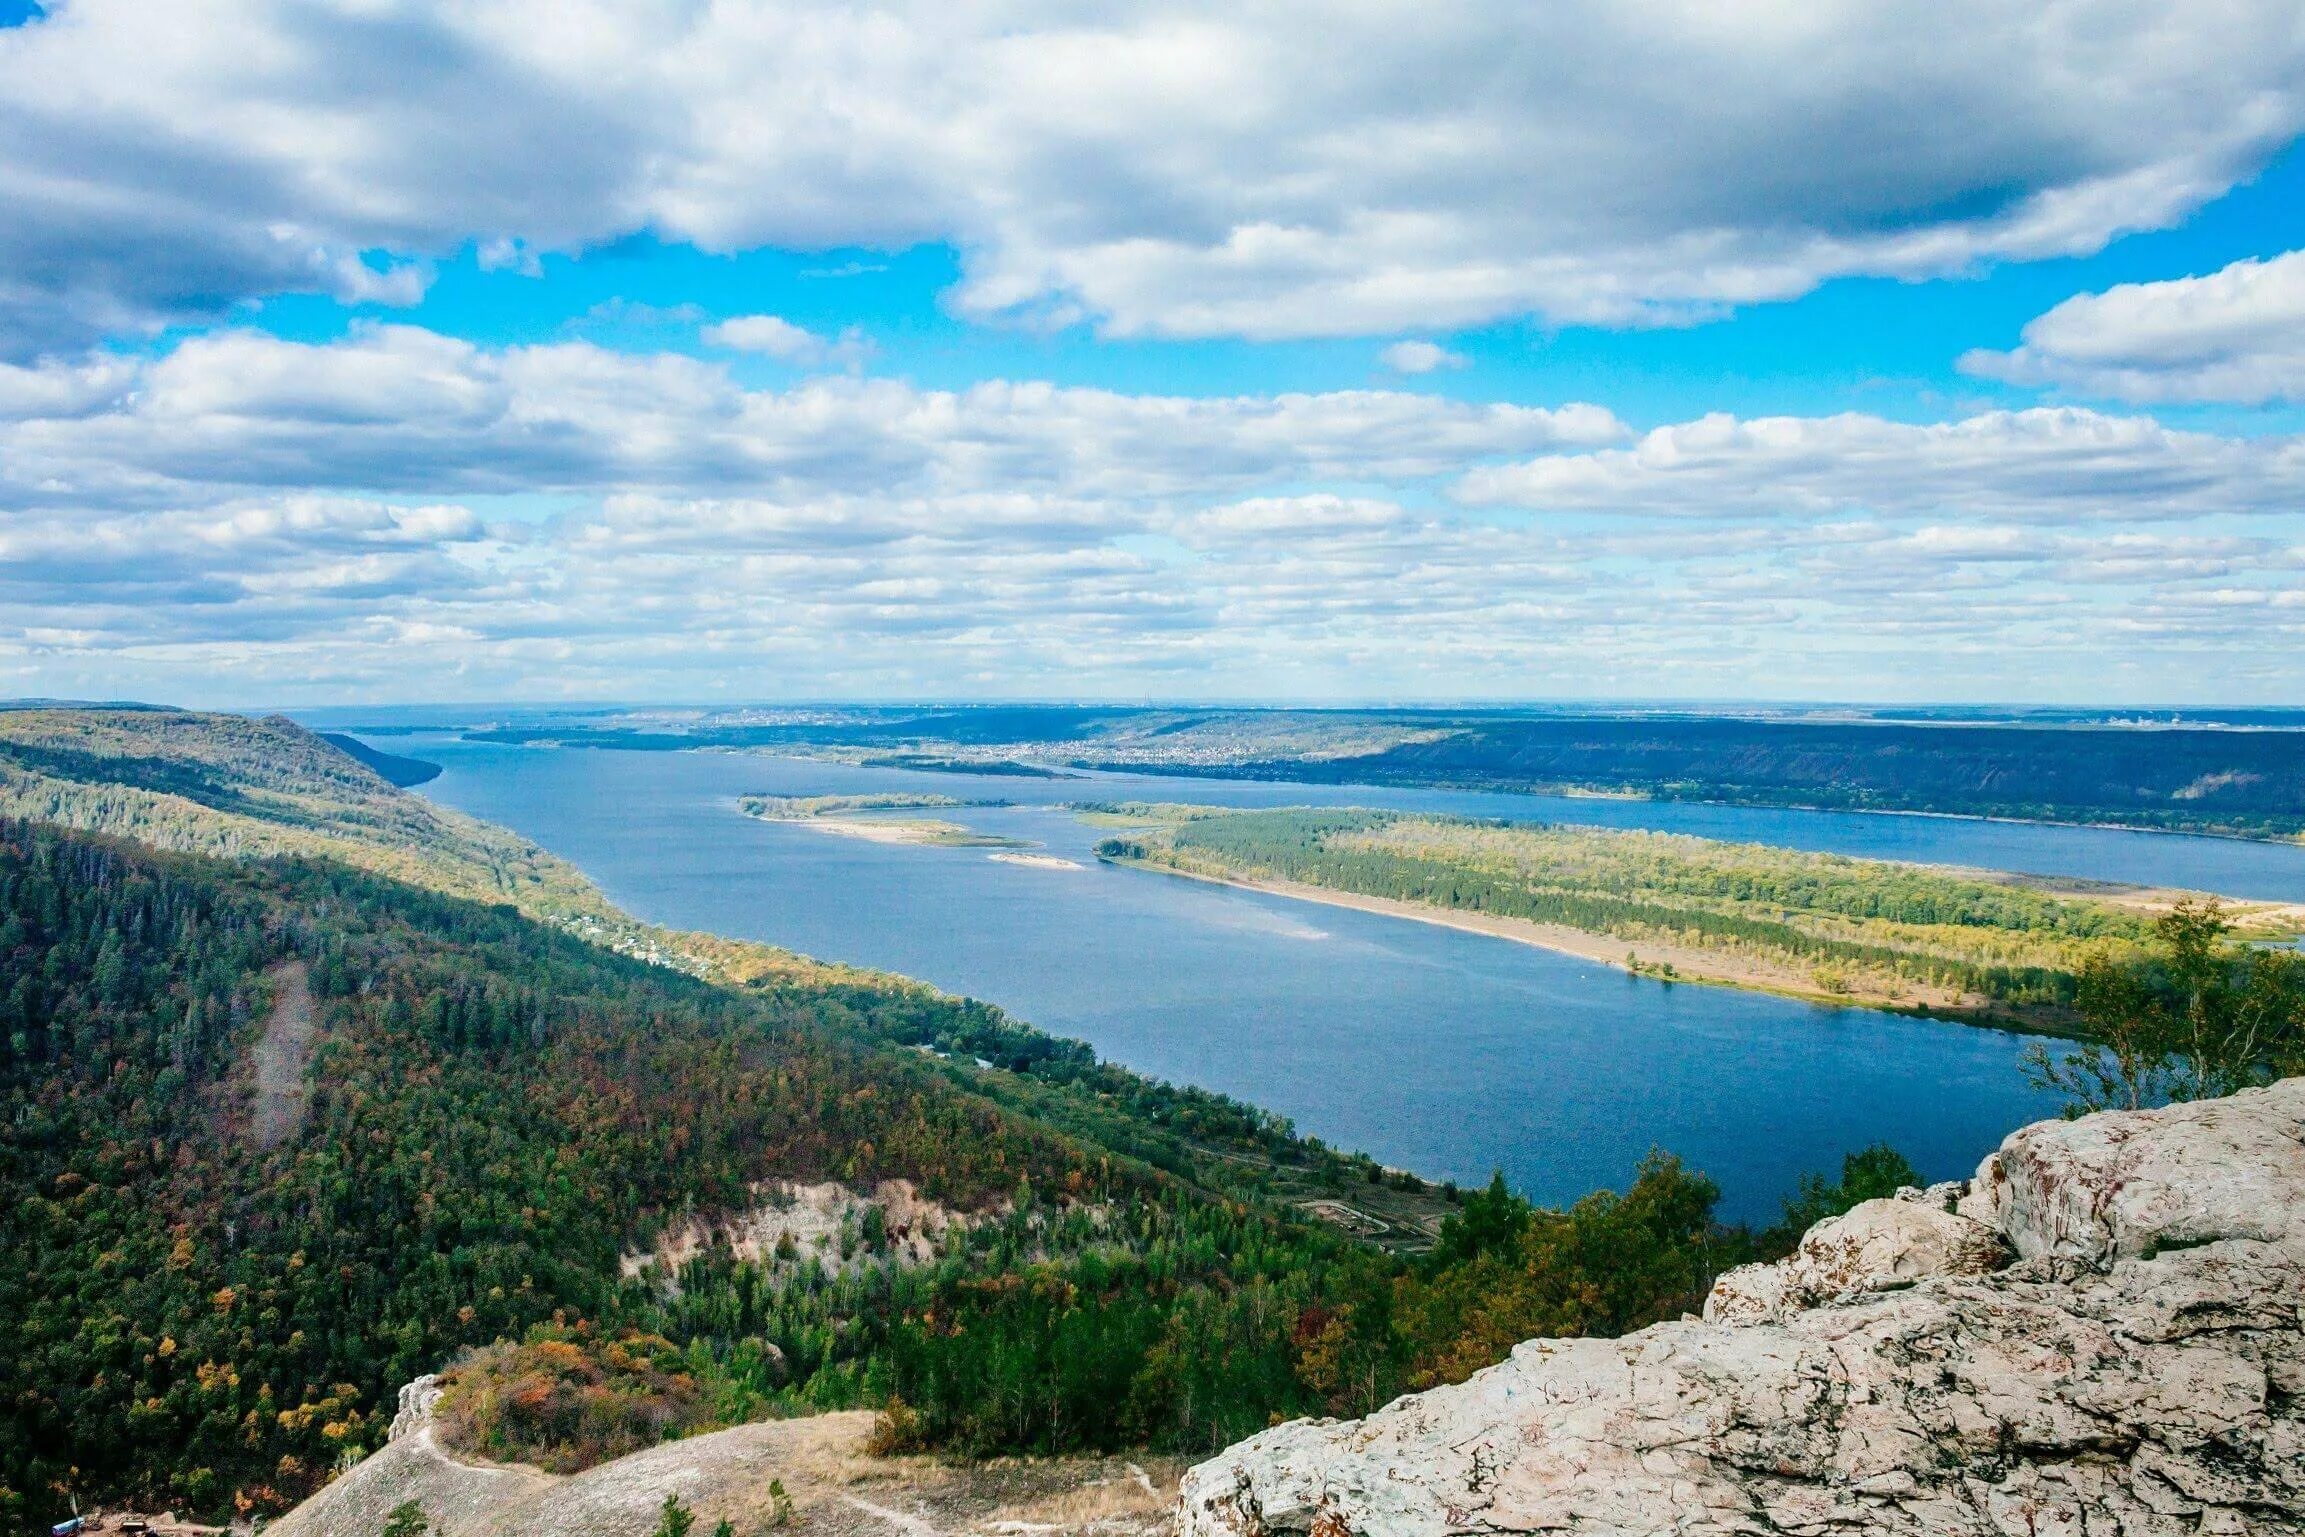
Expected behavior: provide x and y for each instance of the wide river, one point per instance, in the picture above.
(1440, 1051)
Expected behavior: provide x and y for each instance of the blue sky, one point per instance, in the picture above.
(1874, 344)
(386, 350)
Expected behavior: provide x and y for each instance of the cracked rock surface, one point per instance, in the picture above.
(2138, 1368)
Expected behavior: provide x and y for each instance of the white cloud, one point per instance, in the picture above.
(779, 338)
(276, 570)
(1064, 590)
(2063, 464)
(1335, 596)
(2235, 335)
(1167, 169)
(256, 520)
(1417, 357)
(410, 410)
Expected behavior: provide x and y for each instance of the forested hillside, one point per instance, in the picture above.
(499, 1111)
(228, 785)
(2248, 783)
(484, 1122)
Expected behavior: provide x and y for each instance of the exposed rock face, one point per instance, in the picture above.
(417, 1401)
(2113, 1187)
(831, 1486)
(1886, 1378)
(1875, 1246)
(809, 1223)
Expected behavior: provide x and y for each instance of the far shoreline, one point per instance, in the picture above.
(1604, 950)
(2295, 840)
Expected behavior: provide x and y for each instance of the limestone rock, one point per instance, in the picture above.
(1749, 1294)
(1874, 1246)
(1944, 1196)
(417, 1401)
(2119, 1185)
(2085, 1388)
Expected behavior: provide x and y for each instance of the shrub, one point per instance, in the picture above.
(565, 1400)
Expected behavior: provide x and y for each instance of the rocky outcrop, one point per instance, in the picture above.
(414, 1411)
(1875, 1246)
(2114, 1187)
(823, 1225)
(2104, 1336)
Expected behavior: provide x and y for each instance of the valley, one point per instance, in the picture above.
(313, 1087)
(2223, 774)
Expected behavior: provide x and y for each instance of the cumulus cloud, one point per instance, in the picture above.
(1161, 169)
(1267, 596)
(283, 570)
(1170, 546)
(2056, 464)
(407, 409)
(2236, 335)
(779, 338)
(248, 518)
(1417, 357)
(772, 334)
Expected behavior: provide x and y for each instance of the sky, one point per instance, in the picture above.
(383, 351)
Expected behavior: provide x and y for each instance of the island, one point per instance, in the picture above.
(880, 818)
(1967, 944)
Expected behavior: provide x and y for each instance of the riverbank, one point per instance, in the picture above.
(1661, 962)
(1562, 790)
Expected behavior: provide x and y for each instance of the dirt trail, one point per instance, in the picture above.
(283, 1052)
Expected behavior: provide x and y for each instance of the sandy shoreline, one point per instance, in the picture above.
(1037, 861)
(875, 832)
(1689, 963)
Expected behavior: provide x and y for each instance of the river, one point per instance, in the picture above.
(1445, 1052)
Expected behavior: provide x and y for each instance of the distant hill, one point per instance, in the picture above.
(228, 785)
(403, 773)
(2249, 783)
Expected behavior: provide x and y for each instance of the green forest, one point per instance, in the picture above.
(500, 1111)
(2179, 778)
(503, 1117)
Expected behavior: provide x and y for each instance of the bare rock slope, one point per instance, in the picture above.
(2103, 1332)
(832, 1485)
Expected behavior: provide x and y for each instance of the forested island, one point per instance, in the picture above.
(880, 818)
(1972, 944)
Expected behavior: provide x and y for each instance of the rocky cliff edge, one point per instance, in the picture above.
(2103, 1332)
